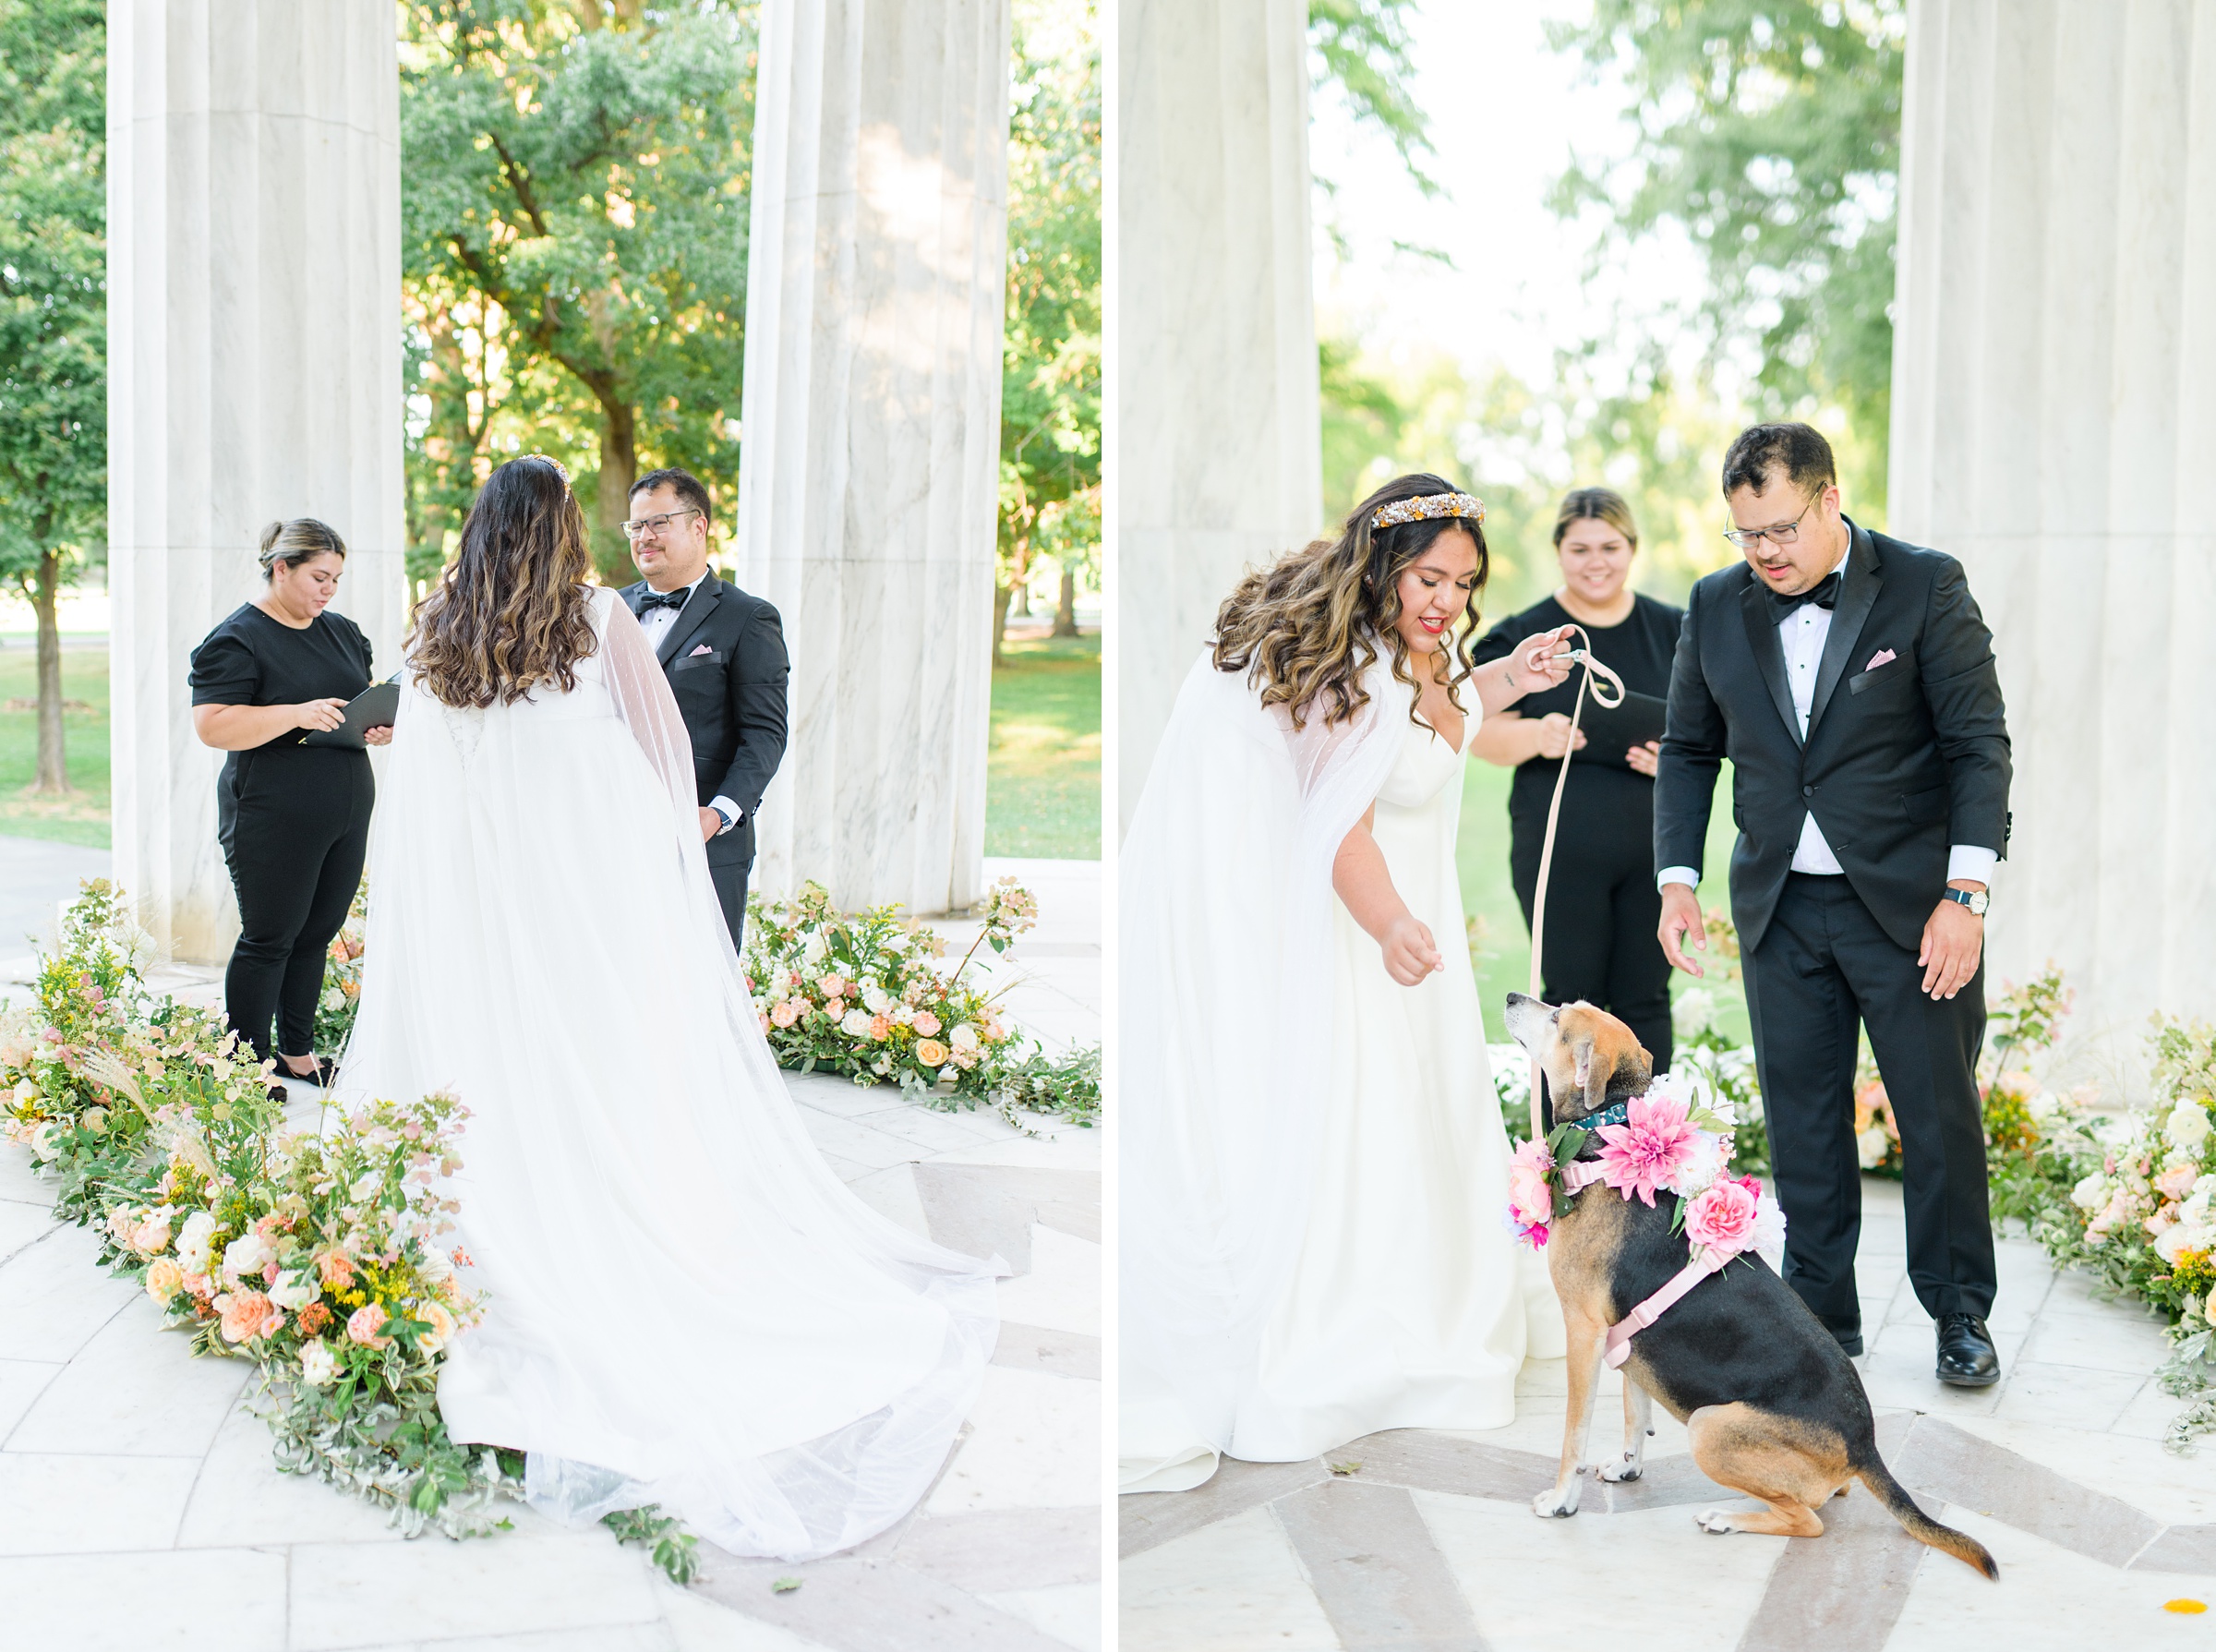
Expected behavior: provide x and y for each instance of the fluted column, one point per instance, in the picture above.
(2054, 423)
(254, 372)
(1213, 445)
(869, 481)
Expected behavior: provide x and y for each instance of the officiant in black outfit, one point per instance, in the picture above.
(724, 654)
(1852, 681)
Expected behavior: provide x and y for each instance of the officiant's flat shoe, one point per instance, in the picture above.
(1967, 1357)
(321, 1079)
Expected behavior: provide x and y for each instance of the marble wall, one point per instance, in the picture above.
(2054, 417)
(1212, 436)
(869, 487)
(254, 350)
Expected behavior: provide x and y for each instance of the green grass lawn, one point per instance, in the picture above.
(84, 819)
(1503, 952)
(1043, 771)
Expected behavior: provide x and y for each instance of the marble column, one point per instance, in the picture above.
(254, 373)
(1214, 444)
(2053, 418)
(869, 483)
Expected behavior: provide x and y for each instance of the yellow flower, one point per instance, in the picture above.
(931, 1053)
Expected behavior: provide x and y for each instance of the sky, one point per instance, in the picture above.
(1506, 113)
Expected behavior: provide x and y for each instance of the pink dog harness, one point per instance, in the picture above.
(1576, 1178)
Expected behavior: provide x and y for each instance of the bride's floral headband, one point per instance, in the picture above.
(1424, 509)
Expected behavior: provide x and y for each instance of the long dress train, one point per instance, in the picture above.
(685, 1305)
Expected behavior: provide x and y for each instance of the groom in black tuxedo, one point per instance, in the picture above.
(724, 654)
(1851, 680)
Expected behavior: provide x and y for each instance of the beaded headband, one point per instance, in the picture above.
(1423, 510)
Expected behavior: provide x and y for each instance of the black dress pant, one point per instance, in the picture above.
(1602, 914)
(1824, 965)
(295, 831)
(730, 895)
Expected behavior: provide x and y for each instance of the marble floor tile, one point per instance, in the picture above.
(628, 1637)
(137, 1602)
(240, 1498)
(2068, 1396)
(83, 1505)
(2048, 1600)
(892, 1194)
(538, 1578)
(1034, 1442)
(928, 1132)
(1518, 1573)
(21, 1223)
(853, 1139)
(2105, 1342)
(1057, 1147)
(701, 1625)
(55, 1296)
(1062, 1292)
(21, 1381)
(1070, 1613)
(1005, 1551)
(2174, 1491)
(135, 1389)
(20, 1184)
(1234, 1586)
(2150, 1415)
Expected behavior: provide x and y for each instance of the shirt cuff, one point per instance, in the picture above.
(1677, 874)
(1971, 864)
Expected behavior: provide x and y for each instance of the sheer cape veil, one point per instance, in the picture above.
(1226, 1016)
(684, 1304)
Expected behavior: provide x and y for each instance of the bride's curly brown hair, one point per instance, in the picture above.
(1306, 629)
(512, 611)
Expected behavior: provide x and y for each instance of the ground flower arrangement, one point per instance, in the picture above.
(342, 998)
(863, 995)
(322, 1257)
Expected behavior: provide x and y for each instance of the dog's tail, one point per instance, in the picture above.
(1921, 1525)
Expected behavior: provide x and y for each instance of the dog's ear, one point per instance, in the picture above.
(1594, 1070)
(1634, 1071)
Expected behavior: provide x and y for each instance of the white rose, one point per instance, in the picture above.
(436, 1267)
(964, 1038)
(248, 1254)
(293, 1292)
(1870, 1146)
(1692, 1012)
(812, 949)
(42, 1146)
(856, 1023)
(2187, 1124)
(319, 1366)
(192, 1243)
(24, 1090)
(873, 998)
(2092, 1193)
(333, 998)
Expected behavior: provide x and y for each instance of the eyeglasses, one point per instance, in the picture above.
(656, 525)
(1783, 533)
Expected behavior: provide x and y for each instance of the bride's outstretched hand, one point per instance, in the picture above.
(1410, 953)
(1541, 661)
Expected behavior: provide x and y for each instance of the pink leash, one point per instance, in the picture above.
(1577, 1176)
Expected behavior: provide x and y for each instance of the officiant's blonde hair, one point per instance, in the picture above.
(1306, 629)
(512, 612)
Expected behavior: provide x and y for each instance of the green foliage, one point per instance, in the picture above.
(1050, 397)
(1770, 130)
(674, 1550)
(574, 243)
(1358, 51)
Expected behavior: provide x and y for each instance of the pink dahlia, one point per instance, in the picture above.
(1650, 1149)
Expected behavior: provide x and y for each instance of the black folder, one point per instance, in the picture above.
(374, 707)
(1612, 730)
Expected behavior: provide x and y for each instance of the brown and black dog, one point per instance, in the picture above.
(1773, 1405)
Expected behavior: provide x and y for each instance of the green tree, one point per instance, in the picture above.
(1770, 130)
(573, 234)
(1050, 384)
(53, 321)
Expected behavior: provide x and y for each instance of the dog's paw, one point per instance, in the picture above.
(1717, 1521)
(1556, 1503)
(1626, 1467)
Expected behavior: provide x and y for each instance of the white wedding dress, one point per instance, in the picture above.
(684, 1306)
(1314, 1163)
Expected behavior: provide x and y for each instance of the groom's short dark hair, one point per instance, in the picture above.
(1761, 450)
(685, 484)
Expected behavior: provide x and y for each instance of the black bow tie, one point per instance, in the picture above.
(1824, 594)
(673, 600)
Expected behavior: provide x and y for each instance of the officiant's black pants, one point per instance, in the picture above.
(295, 827)
(1824, 965)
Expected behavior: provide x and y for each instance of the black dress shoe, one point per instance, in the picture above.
(1967, 1357)
(1850, 1342)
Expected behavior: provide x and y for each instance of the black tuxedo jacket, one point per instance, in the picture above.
(1901, 761)
(725, 660)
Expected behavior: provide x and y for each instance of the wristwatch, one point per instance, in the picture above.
(1977, 901)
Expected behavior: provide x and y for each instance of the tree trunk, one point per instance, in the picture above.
(1000, 618)
(1019, 599)
(53, 767)
(1066, 613)
(618, 469)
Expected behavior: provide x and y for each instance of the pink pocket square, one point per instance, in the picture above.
(1882, 656)
(703, 648)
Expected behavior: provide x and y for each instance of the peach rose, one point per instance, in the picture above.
(151, 1237)
(927, 1023)
(337, 1269)
(931, 1052)
(834, 986)
(441, 1328)
(784, 1014)
(2178, 1181)
(165, 1279)
(364, 1325)
(248, 1314)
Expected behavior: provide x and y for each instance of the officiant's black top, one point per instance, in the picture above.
(1639, 649)
(251, 660)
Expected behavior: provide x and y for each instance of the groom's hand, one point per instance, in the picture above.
(1681, 917)
(710, 824)
(1954, 940)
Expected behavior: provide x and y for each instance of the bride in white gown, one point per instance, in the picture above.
(1315, 1167)
(684, 1304)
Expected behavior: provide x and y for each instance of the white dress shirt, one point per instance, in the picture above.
(656, 622)
(1801, 634)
